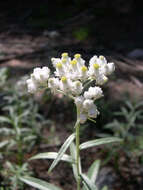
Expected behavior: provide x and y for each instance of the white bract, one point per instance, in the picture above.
(53, 84)
(32, 87)
(93, 93)
(71, 77)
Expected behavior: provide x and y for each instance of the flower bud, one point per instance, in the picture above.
(93, 93)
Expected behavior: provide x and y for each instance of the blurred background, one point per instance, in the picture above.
(31, 33)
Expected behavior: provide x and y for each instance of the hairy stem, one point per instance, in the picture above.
(77, 149)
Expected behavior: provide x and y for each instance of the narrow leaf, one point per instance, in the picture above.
(52, 155)
(105, 188)
(97, 142)
(40, 184)
(2, 144)
(85, 187)
(73, 155)
(5, 119)
(93, 171)
(88, 183)
(62, 151)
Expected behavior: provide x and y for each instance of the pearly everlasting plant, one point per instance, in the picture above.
(73, 78)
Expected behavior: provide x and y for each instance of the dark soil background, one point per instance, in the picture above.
(31, 32)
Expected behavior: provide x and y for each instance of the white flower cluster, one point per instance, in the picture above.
(70, 78)
(86, 105)
(38, 79)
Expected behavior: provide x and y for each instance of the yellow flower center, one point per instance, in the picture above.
(101, 57)
(64, 60)
(77, 83)
(73, 62)
(84, 68)
(96, 66)
(59, 65)
(64, 79)
(64, 54)
(77, 56)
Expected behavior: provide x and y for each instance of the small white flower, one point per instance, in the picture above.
(101, 79)
(102, 60)
(83, 73)
(44, 74)
(41, 75)
(80, 61)
(66, 57)
(73, 65)
(36, 75)
(110, 68)
(72, 72)
(93, 112)
(93, 93)
(94, 70)
(65, 84)
(55, 61)
(77, 87)
(90, 108)
(60, 70)
(93, 60)
(87, 104)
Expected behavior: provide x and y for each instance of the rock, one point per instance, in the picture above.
(51, 34)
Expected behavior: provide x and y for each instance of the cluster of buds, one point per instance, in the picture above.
(70, 78)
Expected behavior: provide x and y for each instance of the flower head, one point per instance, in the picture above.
(70, 78)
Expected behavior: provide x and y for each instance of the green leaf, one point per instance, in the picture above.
(105, 188)
(10, 166)
(40, 184)
(130, 105)
(88, 183)
(4, 119)
(2, 144)
(97, 142)
(92, 120)
(73, 155)
(93, 172)
(139, 104)
(62, 151)
(25, 113)
(52, 155)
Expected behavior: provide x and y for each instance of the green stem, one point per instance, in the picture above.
(19, 144)
(20, 153)
(77, 150)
